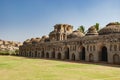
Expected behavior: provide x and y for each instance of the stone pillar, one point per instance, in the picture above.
(77, 57)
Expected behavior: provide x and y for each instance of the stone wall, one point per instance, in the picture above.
(92, 47)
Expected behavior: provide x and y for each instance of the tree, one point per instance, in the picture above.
(97, 26)
(117, 23)
(81, 29)
(17, 51)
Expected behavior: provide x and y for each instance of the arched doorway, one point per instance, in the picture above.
(59, 56)
(47, 55)
(66, 53)
(91, 58)
(104, 55)
(53, 54)
(35, 53)
(83, 54)
(73, 57)
(116, 59)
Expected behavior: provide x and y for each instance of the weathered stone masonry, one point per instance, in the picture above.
(65, 44)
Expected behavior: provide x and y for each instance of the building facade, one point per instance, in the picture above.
(65, 44)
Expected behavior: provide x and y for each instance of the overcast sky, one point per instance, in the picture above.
(23, 19)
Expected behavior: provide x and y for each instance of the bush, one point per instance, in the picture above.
(14, 52)
(4, 53)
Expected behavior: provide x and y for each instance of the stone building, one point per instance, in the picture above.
(65, 44)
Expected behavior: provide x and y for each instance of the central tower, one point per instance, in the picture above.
(60, 32)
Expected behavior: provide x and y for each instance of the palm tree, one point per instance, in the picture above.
(97, 26)
(81, 29)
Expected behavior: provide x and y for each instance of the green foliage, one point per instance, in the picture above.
(12, 52)
(97, 26)
(118, 23)
(4, 52)
(17, 51)
(81, 29)
(7, 52)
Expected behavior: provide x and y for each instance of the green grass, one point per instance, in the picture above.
(8, 52)
(20, 68)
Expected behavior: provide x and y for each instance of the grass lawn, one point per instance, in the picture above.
(20, 68)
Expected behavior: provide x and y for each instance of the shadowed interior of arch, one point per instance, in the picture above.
(67, 53)
(104, 55)
(59, 56)
(83, 54)
(47, 55)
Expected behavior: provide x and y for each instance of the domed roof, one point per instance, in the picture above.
(76, 34)
(32, 40)
(26, 41)
(110, 28)
(92, 31)
(44, 37)
(35, 40)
